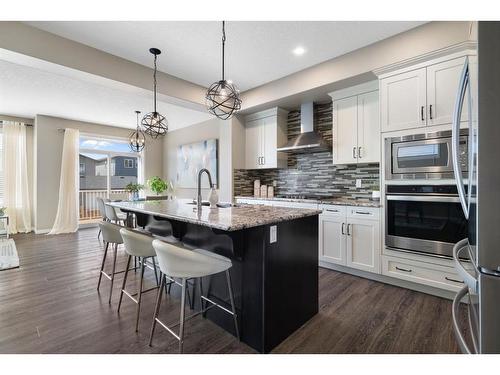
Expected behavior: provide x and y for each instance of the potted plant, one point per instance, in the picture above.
(134, 188)
(157, 185)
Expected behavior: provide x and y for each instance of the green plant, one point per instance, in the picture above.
(133, 187)
(157, 185)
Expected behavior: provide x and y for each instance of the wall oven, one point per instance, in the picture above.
(423, 156)
(425, 219)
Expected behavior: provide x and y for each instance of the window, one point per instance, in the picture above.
(128, 163)
(82, 168)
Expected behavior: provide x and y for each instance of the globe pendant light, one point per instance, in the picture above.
(223, 98)
(137, 140)
(154, 123)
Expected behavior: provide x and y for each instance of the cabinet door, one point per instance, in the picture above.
(345, 134)
(332, 241)
(368, 128)
(269, 142)
(442, 86)
(403, 100)
(253, 150)
(363, 245)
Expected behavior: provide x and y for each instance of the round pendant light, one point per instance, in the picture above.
(154, 124)
(137, 140)
(223, 98)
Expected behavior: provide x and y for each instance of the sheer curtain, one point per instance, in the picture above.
(67, 208)
(15, 167)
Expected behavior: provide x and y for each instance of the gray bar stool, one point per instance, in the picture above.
(178, 262)
(110, 235)
(140, 246)
(113, 216)
(101, 205)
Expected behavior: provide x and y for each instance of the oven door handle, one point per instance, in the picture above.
(420, 198)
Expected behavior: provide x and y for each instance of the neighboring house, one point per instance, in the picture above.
(93, 172)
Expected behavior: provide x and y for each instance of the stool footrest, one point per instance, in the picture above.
(131, 296)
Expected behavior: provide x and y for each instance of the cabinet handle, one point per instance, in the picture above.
(454, 280)
(342, 230)
(354, 153)
(263, 160)
(402, 269)
(348, 229)
(362, 213)
(422, 113)
(359, 152)
(331, 210)
(430, 111)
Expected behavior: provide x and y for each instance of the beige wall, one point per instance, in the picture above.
(48, 143)
(229, 152)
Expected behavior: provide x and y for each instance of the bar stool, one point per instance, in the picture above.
(101, 205)
(113, 216)
(176, 261)
(110, 235)
(137, 245)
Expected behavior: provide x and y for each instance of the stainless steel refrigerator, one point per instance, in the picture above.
(479, 190)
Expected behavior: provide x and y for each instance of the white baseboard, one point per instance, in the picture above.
(391, 280)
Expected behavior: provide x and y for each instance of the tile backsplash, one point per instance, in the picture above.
(312, 174)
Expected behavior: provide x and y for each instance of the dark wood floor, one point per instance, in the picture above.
(50, 305)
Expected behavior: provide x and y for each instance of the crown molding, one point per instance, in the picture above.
(464, 48)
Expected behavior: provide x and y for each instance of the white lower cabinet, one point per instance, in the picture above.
(421, 272)
(350, 236)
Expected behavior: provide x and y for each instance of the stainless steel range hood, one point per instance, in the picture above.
(308, 140)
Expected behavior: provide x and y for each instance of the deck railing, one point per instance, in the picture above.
(89, 209)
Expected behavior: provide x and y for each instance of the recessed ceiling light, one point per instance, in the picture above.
(298, 51)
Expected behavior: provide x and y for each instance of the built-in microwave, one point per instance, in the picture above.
(423, 156)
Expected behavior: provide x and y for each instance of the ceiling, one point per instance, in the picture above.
(27, 91)
(257, 52)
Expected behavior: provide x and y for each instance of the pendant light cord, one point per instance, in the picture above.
(223, 45)
(154, 84)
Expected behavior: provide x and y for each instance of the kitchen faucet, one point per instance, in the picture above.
(198, 201)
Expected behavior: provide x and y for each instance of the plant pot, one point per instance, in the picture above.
(156, 197)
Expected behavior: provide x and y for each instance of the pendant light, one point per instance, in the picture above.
(154, 123)
(137, 140)
(223, 98)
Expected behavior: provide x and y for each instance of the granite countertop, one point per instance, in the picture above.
(340, 201)
(228, 219)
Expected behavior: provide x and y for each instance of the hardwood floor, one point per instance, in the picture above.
(51, 305)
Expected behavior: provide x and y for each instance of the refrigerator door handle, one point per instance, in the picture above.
(469, 280)
(457, 114)
(456, 328)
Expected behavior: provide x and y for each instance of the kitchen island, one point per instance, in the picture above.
(274, 251)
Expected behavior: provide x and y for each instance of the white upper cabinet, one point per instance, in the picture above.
(356, 124)
(345, 137)
(368, 128)
(264, 132)
(442, 86)
(402, 100)
(424, 96)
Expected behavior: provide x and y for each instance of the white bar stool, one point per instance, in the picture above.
(101, 205)
(176, 261)
(110, 235)
(113, 216)
(137, 245)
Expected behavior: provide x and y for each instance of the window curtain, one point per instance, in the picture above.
(67, 209)
(15, 167)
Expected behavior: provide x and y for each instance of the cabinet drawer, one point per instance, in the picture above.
(364, 212)
(333, 210)
(422, 273)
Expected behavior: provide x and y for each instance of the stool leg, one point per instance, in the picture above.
(183, 309)
(200, 287)
(139, 297)
(157, 307)
(124, 281)
(156, 272)
(233, 308)
(115, 253)
(99, 234)
(135, 264)
(102, 264)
